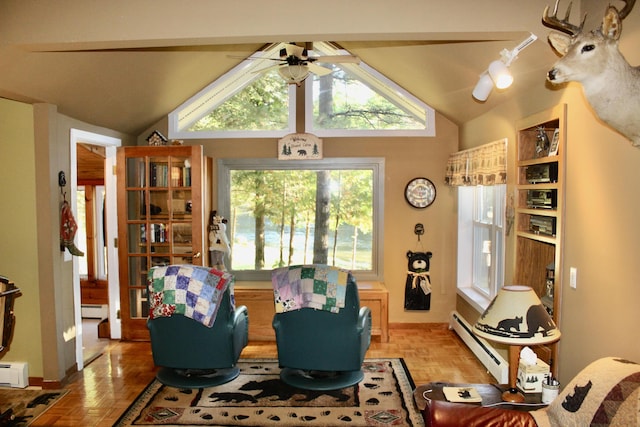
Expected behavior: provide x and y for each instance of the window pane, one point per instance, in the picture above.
(486, 204)
(341, 101)
(286, 217)
(482, 258)
(262, 105)
(481, 238)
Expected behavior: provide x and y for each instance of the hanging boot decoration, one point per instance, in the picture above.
(68, 228)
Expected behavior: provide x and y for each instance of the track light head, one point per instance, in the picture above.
(500, 74)
(483, 88)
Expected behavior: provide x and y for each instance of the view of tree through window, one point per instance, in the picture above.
(253, 99)
(286, 217)
(261, 105)
(342, 101)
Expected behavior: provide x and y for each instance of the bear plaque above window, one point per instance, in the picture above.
(420, 193)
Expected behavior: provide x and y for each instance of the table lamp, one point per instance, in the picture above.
(516, 317)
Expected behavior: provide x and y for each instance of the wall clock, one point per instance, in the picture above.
(420, 192)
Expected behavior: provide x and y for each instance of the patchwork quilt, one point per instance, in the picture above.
(605, 393)
(315, 286)
(193, 291)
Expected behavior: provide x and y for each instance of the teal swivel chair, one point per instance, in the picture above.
(320, 350)
(191, 355)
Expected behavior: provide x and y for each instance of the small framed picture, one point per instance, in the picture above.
(300, 146)
(555, 141)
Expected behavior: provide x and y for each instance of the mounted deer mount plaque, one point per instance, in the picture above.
(593, 59)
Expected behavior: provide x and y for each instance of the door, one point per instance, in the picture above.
(160, 214)
(109, 143)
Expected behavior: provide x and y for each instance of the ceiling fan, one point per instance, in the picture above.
(295, 64)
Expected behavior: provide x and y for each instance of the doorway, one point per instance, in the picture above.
(80, 142)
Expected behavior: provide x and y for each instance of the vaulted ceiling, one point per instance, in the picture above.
(125, 65)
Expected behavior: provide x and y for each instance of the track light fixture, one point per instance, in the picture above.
(498, 73)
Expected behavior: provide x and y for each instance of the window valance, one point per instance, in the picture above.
(484, 165)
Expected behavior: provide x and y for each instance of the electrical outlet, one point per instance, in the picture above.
(573, 277)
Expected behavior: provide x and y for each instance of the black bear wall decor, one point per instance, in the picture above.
(417, 289)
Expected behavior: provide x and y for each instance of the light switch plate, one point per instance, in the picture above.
(573, 277)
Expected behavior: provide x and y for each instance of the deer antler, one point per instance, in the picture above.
(564, 25)
(628, 5)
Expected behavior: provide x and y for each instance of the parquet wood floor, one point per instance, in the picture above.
(106, 387)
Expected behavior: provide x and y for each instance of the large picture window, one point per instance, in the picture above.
(301, 212)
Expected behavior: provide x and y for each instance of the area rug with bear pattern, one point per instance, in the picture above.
(257, 397)
(21, 407)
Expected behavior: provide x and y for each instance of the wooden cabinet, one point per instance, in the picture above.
(94, 292)
(375, 296)
(161, 214)
(540, 211)
(259, 302)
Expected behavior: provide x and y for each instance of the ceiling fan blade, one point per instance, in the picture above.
(267, 69)
(295, 50)
(254, 58)
(337, 59)
(318, 70)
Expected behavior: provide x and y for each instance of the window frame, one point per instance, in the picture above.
(244, 74)
(225, 86)
(375, 164)
(468, 223)
(384, 87)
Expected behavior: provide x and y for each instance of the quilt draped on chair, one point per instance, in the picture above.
(190, 290)
(316, 286)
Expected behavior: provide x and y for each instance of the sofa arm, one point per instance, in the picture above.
(446, 414)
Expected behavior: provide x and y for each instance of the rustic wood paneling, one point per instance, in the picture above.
(90, 162)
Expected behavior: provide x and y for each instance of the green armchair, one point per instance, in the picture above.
(322, 350)
(192, 355)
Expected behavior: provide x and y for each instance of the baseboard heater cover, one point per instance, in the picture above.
(490, 358)
(95, 311)
(14, 374)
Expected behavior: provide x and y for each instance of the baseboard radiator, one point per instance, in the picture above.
(490, 358)
(14, 374)
(95, 311)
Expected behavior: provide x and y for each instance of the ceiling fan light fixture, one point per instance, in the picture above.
(294, 74)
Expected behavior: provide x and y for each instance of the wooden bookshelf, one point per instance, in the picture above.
(540, 212)
(162, 201)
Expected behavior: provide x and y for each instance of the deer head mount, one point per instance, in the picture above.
(593, 59)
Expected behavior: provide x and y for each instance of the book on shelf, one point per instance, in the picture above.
(462, 394)
(158, 174)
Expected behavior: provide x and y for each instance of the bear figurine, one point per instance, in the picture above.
(417, 289)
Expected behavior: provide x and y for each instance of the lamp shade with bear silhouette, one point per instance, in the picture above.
(516, 317)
